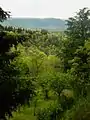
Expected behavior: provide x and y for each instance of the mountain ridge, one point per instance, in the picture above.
(36, 23)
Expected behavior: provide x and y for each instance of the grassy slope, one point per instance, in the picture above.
(27, 113)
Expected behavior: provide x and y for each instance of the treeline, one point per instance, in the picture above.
(38, 65)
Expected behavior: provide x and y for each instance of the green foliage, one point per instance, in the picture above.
(79, 26)
(3, 15)
(44, 82)
(53, 112)
(56, 110)
(60, 81)
(78, 31)
(15, 90)
(80, 111)
(80, 69)
(56, 66)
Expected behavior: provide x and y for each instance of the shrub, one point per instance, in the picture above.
(53, 112)
(80, 111)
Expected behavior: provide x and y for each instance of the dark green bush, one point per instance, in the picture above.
(15, 89)
(53, 112)
(80, 111)
(66, 102)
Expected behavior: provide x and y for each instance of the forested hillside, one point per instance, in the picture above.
(37, 23)
(45, 75)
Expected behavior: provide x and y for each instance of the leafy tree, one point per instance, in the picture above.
(79, 27)
(50, 66)
(80, 69)
(3, 16)
(15, 90)
(78, 31)
(60, 82)
(44, 82)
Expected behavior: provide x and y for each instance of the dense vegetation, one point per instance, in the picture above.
(45, 75)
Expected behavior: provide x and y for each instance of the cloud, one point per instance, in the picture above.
(44, 8)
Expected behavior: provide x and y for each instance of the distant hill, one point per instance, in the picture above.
(36, 23)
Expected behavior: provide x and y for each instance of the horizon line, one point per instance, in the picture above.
(37, 17)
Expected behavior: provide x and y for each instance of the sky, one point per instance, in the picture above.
(44, 8)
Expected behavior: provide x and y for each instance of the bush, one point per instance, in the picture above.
(15, 89)
(80, 111)
(60, 82)
(67, 99)
(53, 112)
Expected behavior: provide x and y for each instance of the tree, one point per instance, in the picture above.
(15, 89)
(78, 31)
(81, 70)
(79, 27)
(44, 82)
(4, 15)
(60, 82)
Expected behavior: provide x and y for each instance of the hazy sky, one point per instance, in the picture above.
(44, 8)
